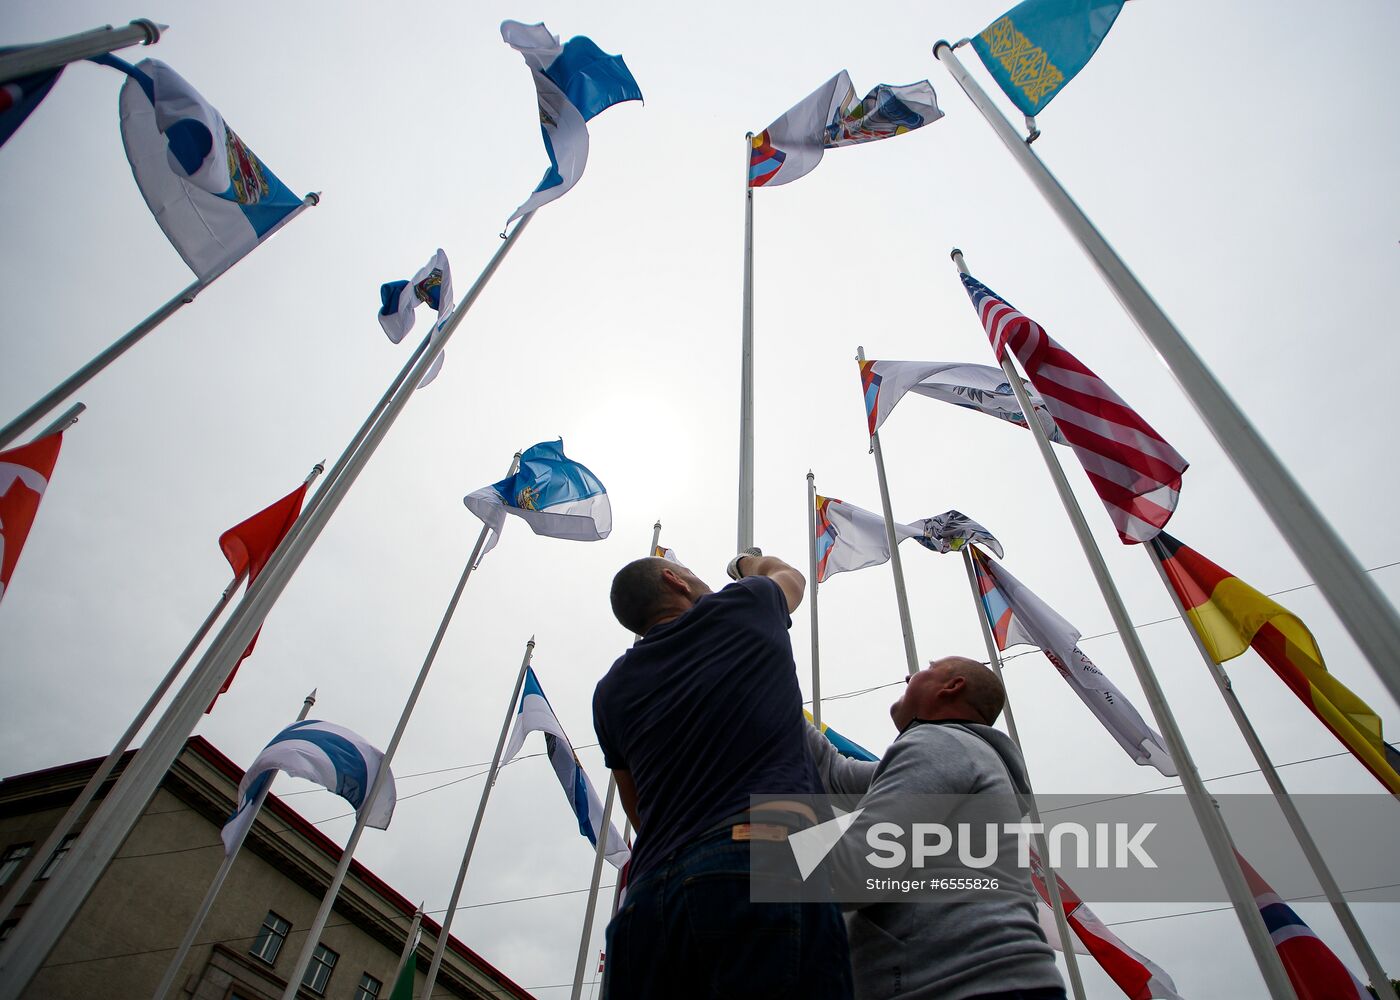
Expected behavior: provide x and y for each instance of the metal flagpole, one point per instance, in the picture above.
(1217, 837)
(61, 51)
(627, 820)
(30, 943)
(128, 340)
(1379, 980)
(746, 369)
(812, 576)
(511, 708)
(415, 931)
(905, 625)
(1369, 618)
(212, 893)
(313, 936)
(1052, 879)
(583, 949)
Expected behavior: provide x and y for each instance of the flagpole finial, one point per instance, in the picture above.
(809, 475)
(957, 258)
(312, 696)
(656, 526)
(313, 198)
(531, 643)
(860, 353)
(151, 28)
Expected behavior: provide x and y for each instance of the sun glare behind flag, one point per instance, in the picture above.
(1135, 472)
(399, 302)
(574, 82)
(24, 476)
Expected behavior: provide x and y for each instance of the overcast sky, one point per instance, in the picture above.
(1241, 157)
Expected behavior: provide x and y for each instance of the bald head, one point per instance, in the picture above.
(648, 591)
(954, 687)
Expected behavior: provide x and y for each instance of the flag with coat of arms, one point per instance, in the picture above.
(399, 302)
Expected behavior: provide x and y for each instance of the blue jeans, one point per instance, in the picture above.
(687, 931)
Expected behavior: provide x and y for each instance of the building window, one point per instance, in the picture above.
(13, 859)
(318, 973)
(271, 936)
(56, 858)
(369, 988)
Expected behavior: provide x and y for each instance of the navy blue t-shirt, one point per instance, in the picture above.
(705, 711)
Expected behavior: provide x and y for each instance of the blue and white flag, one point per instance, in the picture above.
(574, 82)
(535, 715)
(330, 755)
(212, 197)
(399, 301)
(21, 95)
(554, 495)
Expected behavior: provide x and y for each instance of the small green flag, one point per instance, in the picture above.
(403, 989)
(1038, 46)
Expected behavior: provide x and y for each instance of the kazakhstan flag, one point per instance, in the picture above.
(1037, 47)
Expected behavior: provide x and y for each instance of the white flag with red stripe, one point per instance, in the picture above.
(1136, 473)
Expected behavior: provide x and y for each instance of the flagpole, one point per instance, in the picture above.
(627, 820)
(212, 893)
(605, 828)
(1369, 618)
(30, 943)
(441, 948)
(1379, 980)
(409, 944)
(1213, 829)
(381, 777)
(121, 345)
(906, 626)
(812, 598)
(746, 369)
(70, 48)
(1052, 882)
(68, 418)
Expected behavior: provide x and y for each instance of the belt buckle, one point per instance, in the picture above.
(771, 832)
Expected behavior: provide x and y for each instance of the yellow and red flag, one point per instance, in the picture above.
(1230, 616)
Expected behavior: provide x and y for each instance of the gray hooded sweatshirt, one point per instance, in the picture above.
(946, 945)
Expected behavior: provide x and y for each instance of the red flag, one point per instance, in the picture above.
(24, 475)
(248, 546)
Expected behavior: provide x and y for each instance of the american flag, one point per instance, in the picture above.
(1135, 472)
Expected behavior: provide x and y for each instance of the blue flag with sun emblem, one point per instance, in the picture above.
(213, 198)
(1037, 47)
(553, 494)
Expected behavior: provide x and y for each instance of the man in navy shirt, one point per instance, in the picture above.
(699, 716)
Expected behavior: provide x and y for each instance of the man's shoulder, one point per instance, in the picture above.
(610, 679)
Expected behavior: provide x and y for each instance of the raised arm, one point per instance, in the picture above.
(753, 562)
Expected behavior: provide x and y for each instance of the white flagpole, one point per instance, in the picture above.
(746, 369)
(627, 820)
(121, 345)
(1052, 881)
(75, 811)
(1369, 618)
(1379, 980)
(61, 51)
(415, 932)
(313, 936)
(212, 893)
(906, 626)
(583, 949)
(511, 707)
(30, 943)
(1213, 829)
(812, 598)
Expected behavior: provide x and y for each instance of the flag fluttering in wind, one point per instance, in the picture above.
(335, 758)
(1135, 472)
(399, 302)
(845, 747)
(248, 546)
(24, 475)
(1038, 46)
(1136, 975)
(20, 96)
(574, 82)
(831, 116)
(850, 538)
(1019, 616)
(662, 552)
(556, 496)
(213, 198)
(1230, 616)
(536, 715)
(976, 387)
(1315, 972)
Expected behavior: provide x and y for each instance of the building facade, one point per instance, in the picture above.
(126, 933)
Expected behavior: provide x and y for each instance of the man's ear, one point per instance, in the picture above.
(671, 580)
(953, 686)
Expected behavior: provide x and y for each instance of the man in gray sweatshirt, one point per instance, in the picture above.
(980, 944)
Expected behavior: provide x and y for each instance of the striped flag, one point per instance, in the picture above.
(1230, 616)
(1315, 972)
(845, 747)
(1135, 472)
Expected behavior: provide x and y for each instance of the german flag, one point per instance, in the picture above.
(1230, 616)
